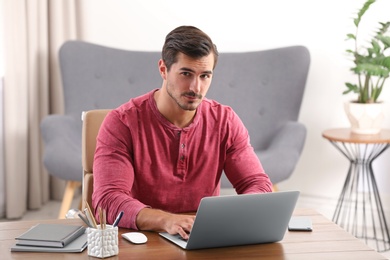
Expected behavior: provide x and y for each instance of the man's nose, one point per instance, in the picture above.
(195, 85)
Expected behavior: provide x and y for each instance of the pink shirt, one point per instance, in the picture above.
(143, 160)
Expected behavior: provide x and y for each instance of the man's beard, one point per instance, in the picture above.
(189, 106)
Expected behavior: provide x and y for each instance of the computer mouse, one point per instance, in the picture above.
(135, 237)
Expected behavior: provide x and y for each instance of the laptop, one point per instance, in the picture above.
(234, 220)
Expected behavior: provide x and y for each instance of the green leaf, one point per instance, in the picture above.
(384, 28)
(386, 62)
(351, 88)
(361, 12)
(375, 46)
(385, 40)
(351, 36)
(371, 69)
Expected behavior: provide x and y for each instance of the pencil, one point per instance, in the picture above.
(101, 218)
(104, 219)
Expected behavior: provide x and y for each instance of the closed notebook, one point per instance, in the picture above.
(76, 246)
(50, 235)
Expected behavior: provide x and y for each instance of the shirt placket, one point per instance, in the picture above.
(182, 160)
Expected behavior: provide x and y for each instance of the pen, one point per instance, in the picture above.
(118, 218)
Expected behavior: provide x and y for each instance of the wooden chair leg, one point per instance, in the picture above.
(70, 188)
(81, 204)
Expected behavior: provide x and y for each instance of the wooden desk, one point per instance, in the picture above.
(327, 241)
(359, 209)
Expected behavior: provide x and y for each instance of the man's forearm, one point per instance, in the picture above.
(151, 219)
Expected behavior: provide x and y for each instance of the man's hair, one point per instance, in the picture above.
(190, 41)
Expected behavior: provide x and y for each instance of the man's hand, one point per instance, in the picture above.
(157, 220)
(179, 224)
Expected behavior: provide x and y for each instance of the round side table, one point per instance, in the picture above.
(359, 208)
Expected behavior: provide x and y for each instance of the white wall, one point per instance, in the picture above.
(255, 25)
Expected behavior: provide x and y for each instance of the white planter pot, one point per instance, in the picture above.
(365, 118)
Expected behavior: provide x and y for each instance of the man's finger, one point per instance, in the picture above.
(182, 233)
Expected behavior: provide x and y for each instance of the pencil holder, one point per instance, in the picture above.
(103, 243)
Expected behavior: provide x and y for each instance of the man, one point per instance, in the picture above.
(159, 154)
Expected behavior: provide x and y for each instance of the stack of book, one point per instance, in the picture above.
(52, 238)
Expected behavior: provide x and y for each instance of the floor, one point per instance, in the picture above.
(323, 206)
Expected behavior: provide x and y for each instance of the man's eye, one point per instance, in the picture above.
(205, 76)
(185, 73)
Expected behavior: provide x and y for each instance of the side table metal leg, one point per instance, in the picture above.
(383, 235)
(359, 209)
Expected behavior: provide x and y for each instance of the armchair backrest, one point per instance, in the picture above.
(265, 87)
(100, 77)
(92, 121)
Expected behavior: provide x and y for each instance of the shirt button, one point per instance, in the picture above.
(182, 145)
(182, 157)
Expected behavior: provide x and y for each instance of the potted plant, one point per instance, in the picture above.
(372, 67)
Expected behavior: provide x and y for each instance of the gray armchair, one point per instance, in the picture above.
(265, 88)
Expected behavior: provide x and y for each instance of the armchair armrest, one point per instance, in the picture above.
(62, 138)
(285, 147)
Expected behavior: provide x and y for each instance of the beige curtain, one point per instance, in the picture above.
(33, 33)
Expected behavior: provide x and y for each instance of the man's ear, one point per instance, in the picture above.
(163, 69)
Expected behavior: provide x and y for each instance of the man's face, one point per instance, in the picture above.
(188, 80)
